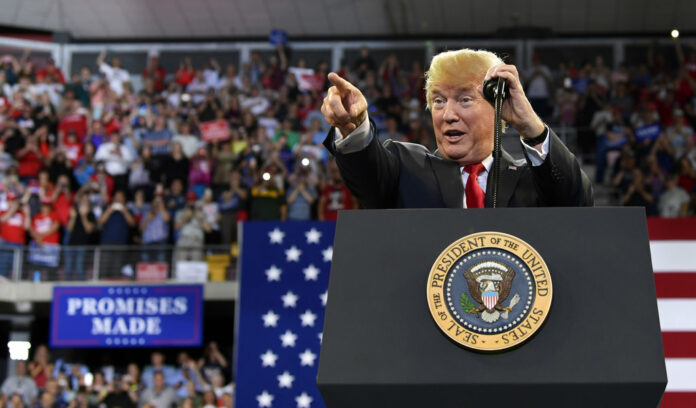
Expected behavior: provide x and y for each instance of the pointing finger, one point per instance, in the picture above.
(339, 82)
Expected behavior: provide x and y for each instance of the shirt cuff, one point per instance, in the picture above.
(536, 157)
(356, 140)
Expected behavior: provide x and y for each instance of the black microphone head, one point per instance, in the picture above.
(489, 89)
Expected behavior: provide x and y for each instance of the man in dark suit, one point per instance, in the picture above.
(406, 175)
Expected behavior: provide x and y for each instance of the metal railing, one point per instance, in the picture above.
(143, 263)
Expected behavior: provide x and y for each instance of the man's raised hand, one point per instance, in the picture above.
(345, 106)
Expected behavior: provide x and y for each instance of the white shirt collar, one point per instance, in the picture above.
(487, 163)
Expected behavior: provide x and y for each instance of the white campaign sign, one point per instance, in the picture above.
(191, 271)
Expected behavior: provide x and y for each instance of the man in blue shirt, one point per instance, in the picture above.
(158, 138)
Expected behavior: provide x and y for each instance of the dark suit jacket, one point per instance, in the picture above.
(407, 175)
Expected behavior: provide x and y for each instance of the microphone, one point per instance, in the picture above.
(490, 89)
(495, 92)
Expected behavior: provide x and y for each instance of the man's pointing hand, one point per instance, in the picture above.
(345, 106)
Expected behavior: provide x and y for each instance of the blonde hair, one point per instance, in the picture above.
(458, 67)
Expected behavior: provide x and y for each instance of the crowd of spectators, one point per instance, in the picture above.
(190, 383)
(87, 160)
(634, 123)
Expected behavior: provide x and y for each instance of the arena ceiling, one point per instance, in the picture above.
(180, 19)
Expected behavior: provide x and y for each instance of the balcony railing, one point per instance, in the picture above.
(142, 263)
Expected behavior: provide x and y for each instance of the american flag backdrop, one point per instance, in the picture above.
(673, 250)
(283, 291)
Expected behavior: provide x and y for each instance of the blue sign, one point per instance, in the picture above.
(127, 316)
(650, 132)
(278, 37)
(45, 255)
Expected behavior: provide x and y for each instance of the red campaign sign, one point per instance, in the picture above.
(311, 82)
(215, 130)
(151, 271)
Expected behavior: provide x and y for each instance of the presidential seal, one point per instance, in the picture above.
(489, 291)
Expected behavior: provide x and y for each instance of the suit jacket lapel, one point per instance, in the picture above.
(508, 180)
(449, 180)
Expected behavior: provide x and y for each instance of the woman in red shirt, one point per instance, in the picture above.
(30, 158)
(41, 367)
(45, 226)
(185, 74)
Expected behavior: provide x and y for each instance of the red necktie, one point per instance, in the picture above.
(474, 193)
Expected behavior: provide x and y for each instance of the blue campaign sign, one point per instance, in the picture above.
(651, 132)
(277, 37)
(127, 316)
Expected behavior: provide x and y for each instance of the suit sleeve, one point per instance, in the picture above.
(371, 174)
(559, 179)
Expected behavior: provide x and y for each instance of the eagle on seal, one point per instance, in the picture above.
(489, 284)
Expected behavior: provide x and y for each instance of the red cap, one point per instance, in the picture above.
(11, 195)
(191, 196)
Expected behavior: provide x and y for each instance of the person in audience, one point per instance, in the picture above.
(20, 384)
(15, 221)
(267, 200)
(82, 227)
(158, 139)
(638, 193)
(212, 362)
(115, 224)
(178, 166)
(301, 196)
(211, 212)
(58, 399)
(81, 399)
(47, 400)
(200, 171)
(232, 204)
(190, 227)
(154, 228)
(16, 401)
(159, 395)
(334, 196)
(157, 364)
(41, 367)
(674, 201)
(120, 395)
(117, 160)
(45, 227)
(209, 399)
(114, 74)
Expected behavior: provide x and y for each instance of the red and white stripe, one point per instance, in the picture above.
(490, 301)
(673, 250)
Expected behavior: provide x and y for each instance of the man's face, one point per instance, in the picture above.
(157, 358)
(21, 368)
(463, 122)
(158, 380)
(47, 400)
